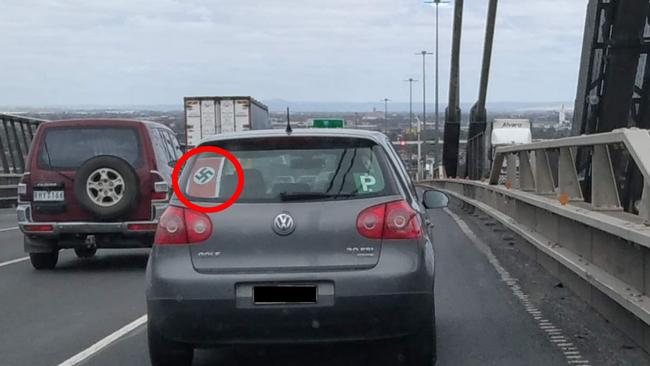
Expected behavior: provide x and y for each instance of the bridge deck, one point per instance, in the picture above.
(53, 316)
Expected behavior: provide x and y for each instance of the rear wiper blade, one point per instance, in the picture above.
(296, 196)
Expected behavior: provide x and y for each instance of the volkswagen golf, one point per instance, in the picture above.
(329, 241)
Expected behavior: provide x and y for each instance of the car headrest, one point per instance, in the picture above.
(254, 185)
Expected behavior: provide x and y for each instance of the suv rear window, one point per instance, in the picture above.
(292, 169)
(70, 147)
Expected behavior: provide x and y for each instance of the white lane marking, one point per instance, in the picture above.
(17, 260)
(556, 337)
(105, 342)
(8, 229)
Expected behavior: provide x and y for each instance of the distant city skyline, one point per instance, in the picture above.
(149, 52)
(279, 106)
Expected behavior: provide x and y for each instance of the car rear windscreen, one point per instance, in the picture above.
(70, 147)
(292, 169)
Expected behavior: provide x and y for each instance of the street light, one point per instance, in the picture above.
(411, 81)
(386, 100)
(424, 55)
(419, 173)
(437, 3)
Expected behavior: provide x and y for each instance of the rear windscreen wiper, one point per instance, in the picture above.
(296, 196)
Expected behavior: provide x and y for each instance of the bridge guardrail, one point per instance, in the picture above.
(16, 134)
(593, 246)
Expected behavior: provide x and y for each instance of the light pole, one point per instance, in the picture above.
(419, 174)
(411, 81)
(424, 88)
(386, 100)
(437, 148)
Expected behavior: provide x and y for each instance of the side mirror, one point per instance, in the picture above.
(435, 199)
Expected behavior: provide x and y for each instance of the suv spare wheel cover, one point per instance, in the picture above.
(106, 186)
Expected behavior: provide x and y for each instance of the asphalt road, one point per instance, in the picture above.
(47, 318)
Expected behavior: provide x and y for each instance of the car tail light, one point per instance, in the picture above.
(392, 220)
(180, 225)
(370, 222)
(160, 187)
(401, 221)
(38, 228)
(23, 185)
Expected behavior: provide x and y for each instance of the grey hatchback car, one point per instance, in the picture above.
(329, 241)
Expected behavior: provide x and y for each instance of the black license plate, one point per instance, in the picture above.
(284, 294)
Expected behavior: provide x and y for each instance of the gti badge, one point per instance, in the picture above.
(283, 224)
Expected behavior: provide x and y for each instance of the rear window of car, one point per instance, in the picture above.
(292, 169)
(70, 147)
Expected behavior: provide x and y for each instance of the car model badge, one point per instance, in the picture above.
(283, 224)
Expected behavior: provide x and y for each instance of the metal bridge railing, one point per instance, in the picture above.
(587, 240)
(561, 178)
(16, 134)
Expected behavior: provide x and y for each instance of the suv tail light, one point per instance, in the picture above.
(160, 187)
(180, 225)
(23, 189)
(392, 220)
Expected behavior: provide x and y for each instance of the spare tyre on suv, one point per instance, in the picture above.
(94, 184)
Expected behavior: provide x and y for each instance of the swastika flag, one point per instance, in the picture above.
(205, 178)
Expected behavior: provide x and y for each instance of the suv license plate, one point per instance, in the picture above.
(48, 196)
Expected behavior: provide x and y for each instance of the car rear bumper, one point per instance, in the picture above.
(391, 300)
(81, 227)
(128, 228)
(354, 318)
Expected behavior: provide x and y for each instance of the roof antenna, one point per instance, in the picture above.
(288, 129)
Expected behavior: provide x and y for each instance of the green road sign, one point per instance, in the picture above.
(328, 123)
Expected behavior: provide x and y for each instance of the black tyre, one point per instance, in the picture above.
(421, 347)
(106, 186)
(164, 352)
(85, 252)
(44, 261)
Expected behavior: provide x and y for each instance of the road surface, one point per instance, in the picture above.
(494, 307)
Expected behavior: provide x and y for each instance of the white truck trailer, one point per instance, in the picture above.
(205, 116)
(506, 131)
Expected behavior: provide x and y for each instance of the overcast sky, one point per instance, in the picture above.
(55, 52)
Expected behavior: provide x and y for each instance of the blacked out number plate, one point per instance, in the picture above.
(285, 294)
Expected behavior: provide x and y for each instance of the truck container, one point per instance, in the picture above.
(506, 131)
(205, 116)
(503, 132)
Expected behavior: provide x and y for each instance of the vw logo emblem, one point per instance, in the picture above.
(283, 224)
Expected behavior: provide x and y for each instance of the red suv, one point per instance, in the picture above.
(94, 184)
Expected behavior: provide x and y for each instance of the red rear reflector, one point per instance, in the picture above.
(38, 228)
(141, 227)
(392, 220)
(180, 225)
